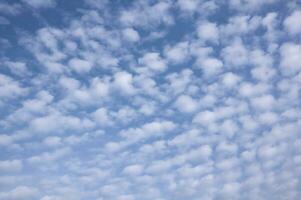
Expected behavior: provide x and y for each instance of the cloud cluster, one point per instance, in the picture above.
(152, 100)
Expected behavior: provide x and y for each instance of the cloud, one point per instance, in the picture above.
(208, 31)
(80, 66)
(235, 55)
(20, 192)
(149, 100)
(186, 104)
(18, 68)
(291, 23)
(10, 166)
(265, 102)
(178, 53)
(131, 35)
(141, 14)
(230, 79)
(210, 66)
(133, 170)
(290, 53)
(41, 3)
(123, 81)
(10, 88)
(153, 61)
(187, 6)
(10, 9)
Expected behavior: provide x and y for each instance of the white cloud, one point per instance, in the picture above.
(263, 73)
(57, 123)
(235, 55)
(20, 193)
(153, 61)
(248, 89)
(10, 88)
(123, 81)
(131, 35)
(210, 66)
(52, 141)
(5, 140)
(10, 166)
(205, 117)
(40, 3)
(178, 53)
(187, 5)
(18, 68)
(265, 102)
(80, 66)
(208, 31)
(49, 157)
(292, 23)
(102, 117)
(173, 100)
(152, 129)
(186, 104)
(10, 9)
(142, 14)
(230, 79)
(290, 54)
(249, 5)
(133, 170)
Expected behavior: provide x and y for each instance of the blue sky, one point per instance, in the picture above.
(150, 100)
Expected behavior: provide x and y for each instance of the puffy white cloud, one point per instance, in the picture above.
(80, 66)
(265, 102)
(248, 89)
(18, 68)
(205, 117)
(20, 193)
(186, 104)
(178, 53)
(292, 24)
(230, 79)
(153, 61)
(151, 129)
(208, 31)
(57, 123)
(173, 100)
(142, 14)
(249, 5)
(187, 5)
(268, 118)
(131, 35)
(133, 170)
(49, 156)
(52, 141)
(210, 66)
(290, 54)
(235, 55)
(10, 88)
(40, 3)
(263, 73)
(10, 9)
(102, 117)
(123, 81)
(10, 166)
(5, 140)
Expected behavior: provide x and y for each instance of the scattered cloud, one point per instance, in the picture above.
(171, 99)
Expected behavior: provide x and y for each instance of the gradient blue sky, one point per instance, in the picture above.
(150, 100)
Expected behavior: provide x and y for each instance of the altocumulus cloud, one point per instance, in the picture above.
(150, 100)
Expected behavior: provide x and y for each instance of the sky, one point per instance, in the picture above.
(150, 99)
